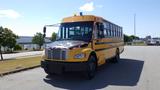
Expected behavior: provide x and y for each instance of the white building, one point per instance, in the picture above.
(26, 42)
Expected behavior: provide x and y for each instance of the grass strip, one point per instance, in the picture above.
(8, 66)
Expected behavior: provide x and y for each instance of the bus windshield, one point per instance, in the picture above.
(76, 31)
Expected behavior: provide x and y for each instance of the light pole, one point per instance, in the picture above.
(134, 24)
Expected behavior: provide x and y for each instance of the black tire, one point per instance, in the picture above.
(91, 67)
(116, 58)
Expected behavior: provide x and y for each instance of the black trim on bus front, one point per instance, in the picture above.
(60, 67)
(98, 43)
(104, 49)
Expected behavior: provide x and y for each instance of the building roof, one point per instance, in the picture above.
(28, 40)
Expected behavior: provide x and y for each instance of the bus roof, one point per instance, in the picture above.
(82, 18)
(78, 18)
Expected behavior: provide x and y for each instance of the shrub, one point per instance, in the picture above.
(17, 47)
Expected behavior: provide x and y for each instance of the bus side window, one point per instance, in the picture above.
(116, 31)
(121, 33)
(83, 31)
(100, 28)
(111, 33)
(105, 32)
(107, 29)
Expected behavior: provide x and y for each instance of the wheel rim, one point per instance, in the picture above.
(92, 66)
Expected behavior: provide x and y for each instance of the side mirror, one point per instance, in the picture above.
(44, 30)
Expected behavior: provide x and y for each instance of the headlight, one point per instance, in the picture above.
(79, 56)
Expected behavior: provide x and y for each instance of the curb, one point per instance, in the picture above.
(18, 70)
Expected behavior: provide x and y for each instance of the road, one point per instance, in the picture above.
(138, 69)
(21, 54)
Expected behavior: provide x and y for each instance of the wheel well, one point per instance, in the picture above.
(94, 54)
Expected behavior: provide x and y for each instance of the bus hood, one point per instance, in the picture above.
(66, 44)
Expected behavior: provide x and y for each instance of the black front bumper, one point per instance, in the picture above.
(60, 67)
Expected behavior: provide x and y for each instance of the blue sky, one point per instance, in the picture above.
(26, 17)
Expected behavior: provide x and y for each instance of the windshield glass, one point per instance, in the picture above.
(76, 31)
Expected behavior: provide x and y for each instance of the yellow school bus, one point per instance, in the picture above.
(83, 43)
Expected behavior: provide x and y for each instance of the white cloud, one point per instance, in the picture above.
(87, 7)
(9, 13)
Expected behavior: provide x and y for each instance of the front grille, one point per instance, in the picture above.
(58, 54)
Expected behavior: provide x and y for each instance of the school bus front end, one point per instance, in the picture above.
(82, 45)
(73, 58)
(72, 49)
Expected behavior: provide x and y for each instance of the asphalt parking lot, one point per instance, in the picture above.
(138, 69)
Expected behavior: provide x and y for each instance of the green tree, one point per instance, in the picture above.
(134, 37)
(10, 39)
(130, 38)
(127, 38)
(7, 39)
(1, 41)
(17, 47)
(53, 37)
(38, 39)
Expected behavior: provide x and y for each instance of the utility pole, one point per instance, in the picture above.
(134, 24)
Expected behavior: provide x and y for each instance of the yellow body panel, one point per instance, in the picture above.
(109, 47)
(81, 18)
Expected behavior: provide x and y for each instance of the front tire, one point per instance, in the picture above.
(91, 67)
